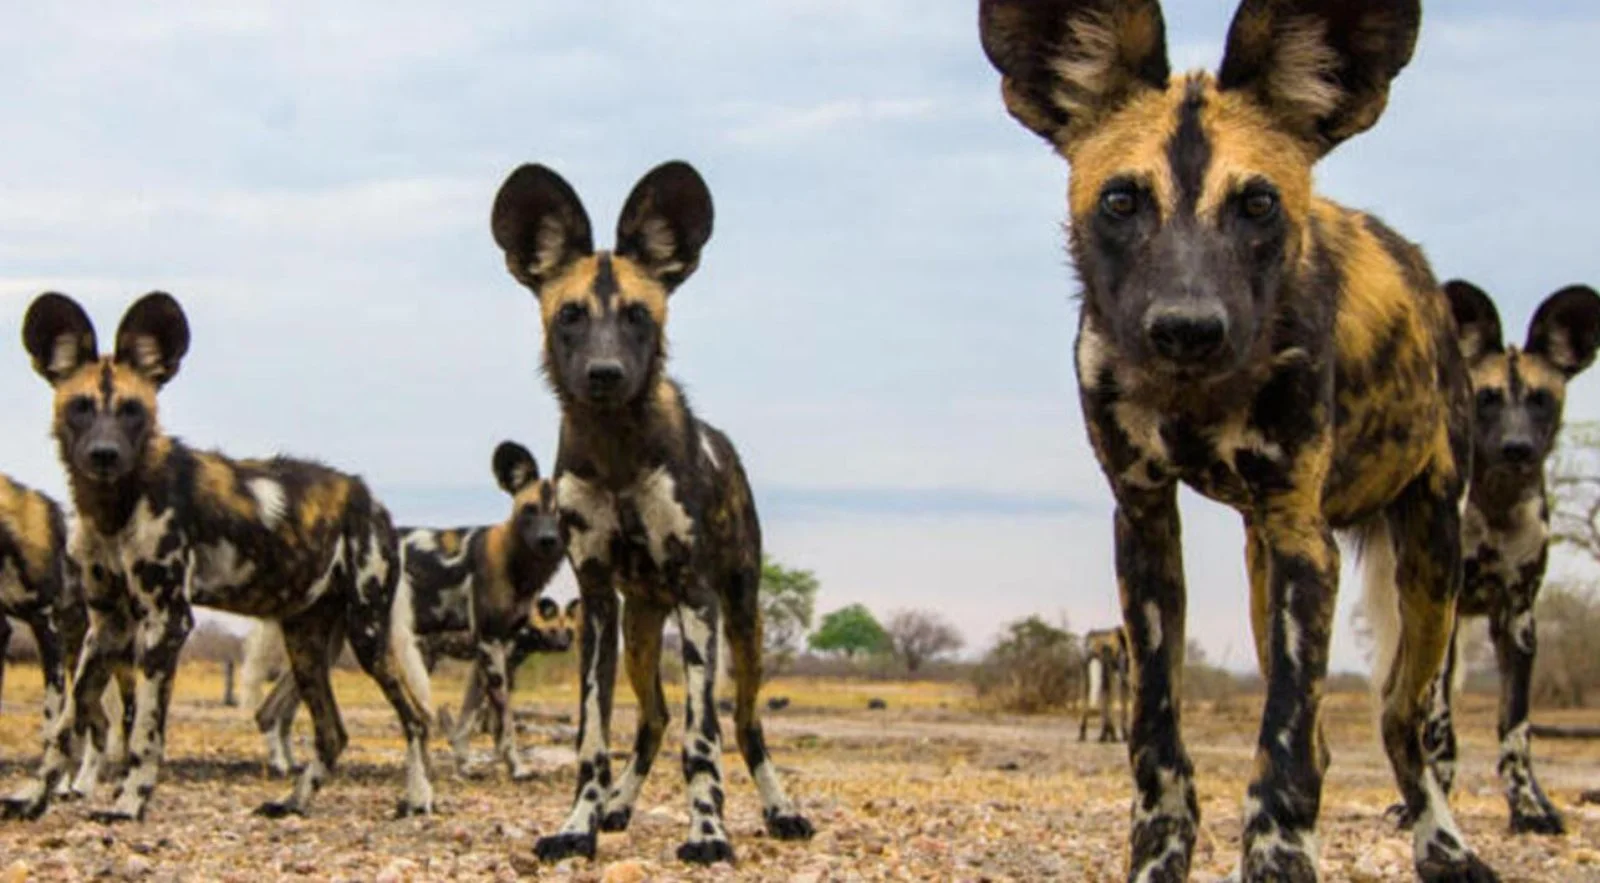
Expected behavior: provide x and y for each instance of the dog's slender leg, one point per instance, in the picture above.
(159, 636)
(1294, 567)
(1425, 532)
(597, 666)
(1516, 641)
(641, 628)
(702, 736)
(306, 637)
(1149, 557)
(743, 610)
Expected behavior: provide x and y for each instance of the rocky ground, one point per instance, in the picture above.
(929, 789)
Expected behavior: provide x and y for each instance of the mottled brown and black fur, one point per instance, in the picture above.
(473, 592)
(654, 502)
(1105, 665)
(1519, 394)
(1275, 351)
(163, 527)
(36, 589)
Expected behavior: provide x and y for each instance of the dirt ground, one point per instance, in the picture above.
(930, 789)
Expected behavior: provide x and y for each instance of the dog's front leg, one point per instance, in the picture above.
(1150, 575)
(597, 668)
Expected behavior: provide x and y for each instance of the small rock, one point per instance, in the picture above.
(397, 871)
(625, 872)
(777, 703)
(876, 704)
(17, 872)
(136, 866)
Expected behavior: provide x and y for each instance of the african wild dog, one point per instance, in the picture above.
(40, 585)
(1105, 665)
(164, 526)
(550, 629)
(654, 502)
(472, 590)
(1275, 351)
(36, 589)
(1506, 523)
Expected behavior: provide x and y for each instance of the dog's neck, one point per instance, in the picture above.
(617, 444)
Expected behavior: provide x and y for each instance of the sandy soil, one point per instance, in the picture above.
(930, 789)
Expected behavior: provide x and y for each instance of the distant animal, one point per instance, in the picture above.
(1518, 400)
(777, 703)
(474, 593)
(1277, 352)
(163, 526)
(654, 502)
(876, 704)
(1105, 665)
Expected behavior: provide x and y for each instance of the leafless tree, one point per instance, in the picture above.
(920, 636)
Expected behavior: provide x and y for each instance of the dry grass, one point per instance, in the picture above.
(931, 789)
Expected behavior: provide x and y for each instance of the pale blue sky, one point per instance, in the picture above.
(882, 320)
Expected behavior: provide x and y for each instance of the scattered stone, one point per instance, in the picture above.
(876, 704)
(777, 703)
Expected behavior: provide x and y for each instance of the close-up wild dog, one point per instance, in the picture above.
(164, 527)
(654, 503)
(471, 586)
(1273, 350)
(1105, 665)
(1518, 399)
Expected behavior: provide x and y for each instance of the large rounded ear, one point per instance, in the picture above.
(514, 467)
(1477, 321)
(665, 222)
(539, 222)
(1066, 64)
(1566, 329)
(1322, 68)
(59, 336)
(153, 337)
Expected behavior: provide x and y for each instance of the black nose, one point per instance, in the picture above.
(104, 458)
(605, 375)
(1517, 452)
(548, 541)
(1186, 334)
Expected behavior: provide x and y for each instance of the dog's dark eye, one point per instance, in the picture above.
(1119, 203)
(1489, 398)
(80, 409)
(1259, 205)
(130, 411)
(636, 314)
(1541, 400)
(571, 314)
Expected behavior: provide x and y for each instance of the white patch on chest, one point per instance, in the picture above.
(664, 518)
(591, 540)
(269, 500)
(655, 497)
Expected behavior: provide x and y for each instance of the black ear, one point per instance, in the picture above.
(539, 222)
(1065, 64)
(153, 337)
(59, 336)
(1322, 68)
(548, 609)
(1477, 321)
(665, 222)
(514, 467)
(1566, 329)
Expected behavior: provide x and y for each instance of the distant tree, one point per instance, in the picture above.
(1033, 667)
(788, 606)
(921, 635)
(850, 630)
